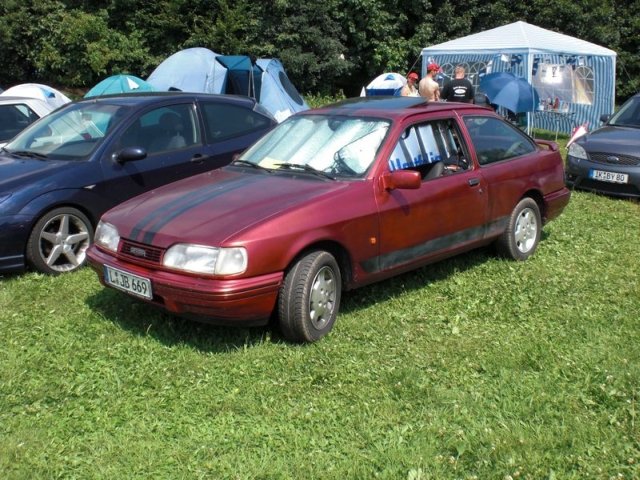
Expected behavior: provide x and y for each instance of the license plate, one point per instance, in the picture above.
(127, 282)
(609, 176)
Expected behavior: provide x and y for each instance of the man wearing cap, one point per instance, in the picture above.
(428, 87)
(410, 90)
(459, 89)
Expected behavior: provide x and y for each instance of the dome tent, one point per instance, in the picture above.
(53, 97)
(578, 73)
(190, 70)
(121, 83)
(201, 70)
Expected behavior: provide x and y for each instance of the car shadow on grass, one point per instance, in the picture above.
(143, 319)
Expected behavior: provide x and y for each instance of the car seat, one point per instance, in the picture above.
(170, 135)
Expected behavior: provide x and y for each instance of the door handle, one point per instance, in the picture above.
(473, 182)
(198, 158)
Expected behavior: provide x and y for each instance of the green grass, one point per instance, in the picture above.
(475, 367)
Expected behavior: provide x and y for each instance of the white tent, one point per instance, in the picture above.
(579, 74)
(53, 97)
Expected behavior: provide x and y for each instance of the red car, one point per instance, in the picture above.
(332, 199)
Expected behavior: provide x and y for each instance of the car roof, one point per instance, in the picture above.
(129, 99)
(390, 107)
(12, 99)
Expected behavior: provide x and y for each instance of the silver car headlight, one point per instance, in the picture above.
(577, 151)
(201, 259)
(107, 236)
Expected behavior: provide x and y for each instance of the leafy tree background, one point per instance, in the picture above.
(327, 46)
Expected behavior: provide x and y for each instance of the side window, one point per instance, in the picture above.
(495, 140)
(14, 118)
(432, 148)
(228, 120)
(163, 129)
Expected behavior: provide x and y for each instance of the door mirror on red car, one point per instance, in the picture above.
(402, 179)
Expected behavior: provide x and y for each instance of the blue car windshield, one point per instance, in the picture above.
(71, 133)
(628, 115)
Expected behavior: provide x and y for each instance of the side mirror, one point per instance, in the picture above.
(604, 118)
(130, 154)
(401, 179)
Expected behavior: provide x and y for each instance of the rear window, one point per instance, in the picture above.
(228, 120)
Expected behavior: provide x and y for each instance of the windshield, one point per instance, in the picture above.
(71, 133)
(342, 146)
(628, 115)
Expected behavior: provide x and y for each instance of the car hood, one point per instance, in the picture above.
(18, 173)
(213, 207)
(612, 139)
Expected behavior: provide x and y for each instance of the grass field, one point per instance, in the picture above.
(473, 368)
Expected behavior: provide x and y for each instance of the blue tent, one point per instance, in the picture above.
(191, 70)
(201, 70)
(122, 83)
(386, 84)
(278, 94)
(243, 76)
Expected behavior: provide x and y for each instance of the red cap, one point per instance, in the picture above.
(413, 75)
(433, 67)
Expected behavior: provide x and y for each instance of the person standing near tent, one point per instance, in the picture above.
(428, 87)
(459, 89)
(410, 89)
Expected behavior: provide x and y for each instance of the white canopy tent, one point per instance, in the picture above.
(572, 75)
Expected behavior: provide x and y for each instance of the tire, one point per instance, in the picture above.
(59, 241)
(522, 235)
(309, 298)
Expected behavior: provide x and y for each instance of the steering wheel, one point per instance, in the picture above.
(340, 166)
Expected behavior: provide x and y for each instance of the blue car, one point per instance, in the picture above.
(60, 174)
(607, 160)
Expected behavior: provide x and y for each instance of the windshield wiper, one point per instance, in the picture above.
(28, 153)
(305, 168)
(240, 161)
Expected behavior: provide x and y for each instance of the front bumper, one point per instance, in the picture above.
(577, 176)
(14, 234)
(247, 301)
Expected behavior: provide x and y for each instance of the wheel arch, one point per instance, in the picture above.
(339, 252)
(536, 196)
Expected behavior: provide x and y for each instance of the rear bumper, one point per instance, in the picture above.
(248, 301)
(555, 203)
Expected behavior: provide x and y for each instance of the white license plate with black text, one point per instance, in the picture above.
(127, 282)
(611, 177)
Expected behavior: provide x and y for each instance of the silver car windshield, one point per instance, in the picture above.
(71, 133)
(338, 145)
(628, 115)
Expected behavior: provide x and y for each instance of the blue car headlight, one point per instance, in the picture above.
(577, 151)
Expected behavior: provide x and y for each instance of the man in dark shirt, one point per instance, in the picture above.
(459, 89)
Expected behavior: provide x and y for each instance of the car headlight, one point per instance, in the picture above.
(201, 259)
(577, 151)
(4, 196)
(107, 236)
